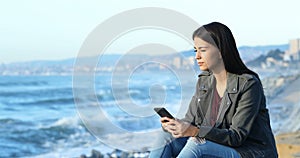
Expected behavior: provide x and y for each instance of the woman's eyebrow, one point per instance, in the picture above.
(201, 47)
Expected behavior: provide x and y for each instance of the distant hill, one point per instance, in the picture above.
(249, 53)
(275, 54)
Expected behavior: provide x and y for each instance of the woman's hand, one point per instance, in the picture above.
(164, 123)
(178, 128)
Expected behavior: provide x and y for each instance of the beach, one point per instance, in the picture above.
(288, 145)
(288, 137)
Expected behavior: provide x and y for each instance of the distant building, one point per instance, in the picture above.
(294, 50)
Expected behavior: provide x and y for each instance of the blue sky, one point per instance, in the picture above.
(56, 29)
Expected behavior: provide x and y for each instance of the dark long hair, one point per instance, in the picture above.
(220, 36)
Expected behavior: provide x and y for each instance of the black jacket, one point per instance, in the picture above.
(243, 121)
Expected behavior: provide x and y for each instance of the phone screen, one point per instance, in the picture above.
(162, 112)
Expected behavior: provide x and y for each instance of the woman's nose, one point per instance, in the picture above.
(197, 55)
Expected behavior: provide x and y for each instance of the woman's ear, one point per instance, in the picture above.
(220, 55)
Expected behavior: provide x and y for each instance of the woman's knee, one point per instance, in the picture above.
(170, 149)
(201, 148)
(191, 149)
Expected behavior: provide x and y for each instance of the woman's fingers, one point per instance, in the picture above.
(176, 127)
(165, 123)
(173, 126)
(165, 119)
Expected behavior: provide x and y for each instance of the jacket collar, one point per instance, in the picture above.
(232, 87)
(232, 83)
(205, 73)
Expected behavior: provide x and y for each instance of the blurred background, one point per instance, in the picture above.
(40, 42)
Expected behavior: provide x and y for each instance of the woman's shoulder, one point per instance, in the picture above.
(248, 77)
(249, 80)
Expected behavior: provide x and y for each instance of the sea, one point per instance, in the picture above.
(39, 115)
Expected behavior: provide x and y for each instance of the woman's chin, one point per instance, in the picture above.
(203, 68)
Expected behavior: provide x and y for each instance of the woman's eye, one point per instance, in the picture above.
(195, 50)
(202, 50)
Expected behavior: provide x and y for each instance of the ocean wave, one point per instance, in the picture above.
(135, 91)
(67, 121)
(20, 83)
(12, 137)
(11, 109)
(139, 124)
(65, 132)
(49, 92)
(51, 101)
(12, 122)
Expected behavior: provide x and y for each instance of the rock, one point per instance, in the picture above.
(82, 156)
(94, 154)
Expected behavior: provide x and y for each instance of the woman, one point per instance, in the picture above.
(227, 116)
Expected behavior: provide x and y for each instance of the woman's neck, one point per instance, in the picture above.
(221, 82)
(221, 77)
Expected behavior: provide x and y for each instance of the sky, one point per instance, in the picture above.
(56, 29)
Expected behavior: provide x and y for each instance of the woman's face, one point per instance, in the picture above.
(208, 56)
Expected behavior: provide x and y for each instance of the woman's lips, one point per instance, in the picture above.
(200, 63)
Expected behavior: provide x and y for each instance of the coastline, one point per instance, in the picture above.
(288, 138)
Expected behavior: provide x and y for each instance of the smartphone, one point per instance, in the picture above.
(162, 112)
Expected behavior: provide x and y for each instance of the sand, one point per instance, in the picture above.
(288, 145)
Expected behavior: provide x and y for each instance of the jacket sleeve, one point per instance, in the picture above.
(190, 114)
(192, 109)
(247, 108)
